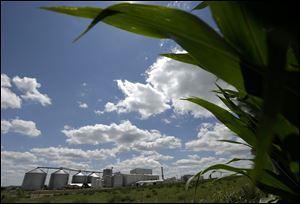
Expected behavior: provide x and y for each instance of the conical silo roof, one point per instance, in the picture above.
(60, 171)
(80, 174)
(93, 174)
(36, 171)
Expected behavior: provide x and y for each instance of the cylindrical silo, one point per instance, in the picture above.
(117, 180)
(96, 182)
(90, 176)
(59, 179)
(107, 172)
(34, 179)
(79, 178)
(107, 181)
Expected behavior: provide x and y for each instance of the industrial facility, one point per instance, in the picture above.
(59, 179)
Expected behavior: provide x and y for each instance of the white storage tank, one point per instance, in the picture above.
(59, 179)
(79, 178)
(91, 176)
(34, 180)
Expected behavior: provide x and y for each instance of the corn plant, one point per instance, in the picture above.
(257, 52)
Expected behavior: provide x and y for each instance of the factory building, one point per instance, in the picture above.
(118, 180)
(131, 179)
(141, 171)
(35, 179)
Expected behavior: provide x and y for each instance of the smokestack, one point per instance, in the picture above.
(162, 173)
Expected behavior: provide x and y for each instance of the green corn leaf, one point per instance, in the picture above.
(271, 179)
(207, 47)
(292, 64)
(234, 142)
(284, 195)
(238, 159)
(284, 128)
(241, 29)
(247, 34)
(273, 97)
(200, 6)
(224, 177)
(235, 109)
(233, 123)
(250, 100)
(84, 12)
(217, 167)
(186, 58)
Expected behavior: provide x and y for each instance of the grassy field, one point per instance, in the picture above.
(237, 189)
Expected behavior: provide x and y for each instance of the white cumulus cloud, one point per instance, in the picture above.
(5, 81)
(124, 134)
(8, 98)
(141, 98)
(208, 135)
(178, 80)
(14, 165)
(29, 86)
(23, 127)
(167, 83)
(136, 161)
(82, 105)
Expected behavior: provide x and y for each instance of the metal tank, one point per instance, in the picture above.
(90, 176)
(96, 182)
(34, 179)
(79, 178)
(107, 181)
(107, 172)
(107, 178)
(59, 179)
(117, 180)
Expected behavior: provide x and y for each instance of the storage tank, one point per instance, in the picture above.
(90, 176)
(96, 182)
(79, 178)
(107, 181)
(107, 172)
(117, 180)
(34, 179)
(59, 179)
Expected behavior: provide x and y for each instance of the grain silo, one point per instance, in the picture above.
(79, 178)
(117, 180)
(96, 182)
(91, 176)
(34, 179)
(59, 179)
(107, 172)
(107, 177)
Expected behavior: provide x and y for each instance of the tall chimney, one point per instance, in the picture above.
(162, 173)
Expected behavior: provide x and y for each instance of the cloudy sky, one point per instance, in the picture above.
(108, 100)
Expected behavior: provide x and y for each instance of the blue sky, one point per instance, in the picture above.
(107, 100)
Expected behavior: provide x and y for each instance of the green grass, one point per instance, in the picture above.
(237, 189)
